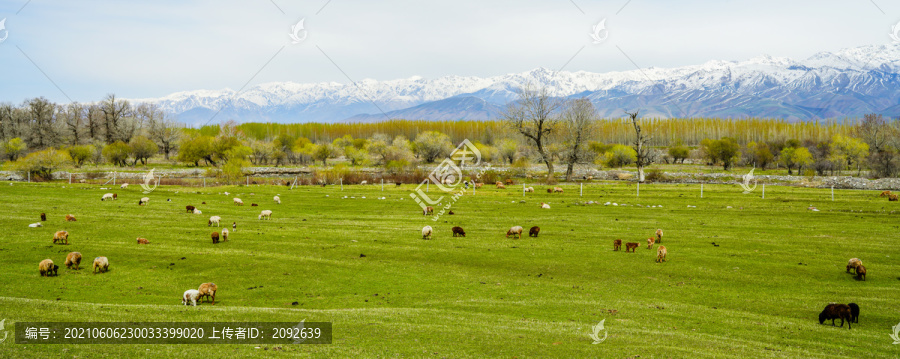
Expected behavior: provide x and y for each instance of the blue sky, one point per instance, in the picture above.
(139, 49)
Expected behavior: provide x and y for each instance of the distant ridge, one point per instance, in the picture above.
(846, 83)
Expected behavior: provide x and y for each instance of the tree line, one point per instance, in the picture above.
(38, 136)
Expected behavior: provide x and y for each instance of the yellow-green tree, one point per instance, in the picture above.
(848, 150)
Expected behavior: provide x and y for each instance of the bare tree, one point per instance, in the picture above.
(41, 117)
(874, 131)
(114, 114)
(644, 156)
(579, 120)
(164, 131)
(73, 115)
(94, 121)
(534, 117)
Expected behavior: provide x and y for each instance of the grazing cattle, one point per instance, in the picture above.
(509, 182)
(254, 205)
(426, 232)
(534, 231)
(630, 246)
(885, 194)
(617, 244)
(557, 190)
(190, 297)
(428, 210)
(142, 241)
(836, 311)
(70, 218)
(892, 198)
(215, 237)
(659, 234)
(661, 254)
(43, 217)
(190, 209)
(650, 242)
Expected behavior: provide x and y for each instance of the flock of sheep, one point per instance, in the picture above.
(845, 312)
(101, 264)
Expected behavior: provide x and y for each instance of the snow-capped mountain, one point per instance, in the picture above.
(847, 83)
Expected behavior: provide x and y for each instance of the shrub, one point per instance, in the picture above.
(619, 155)
(655, 175)
(13, 148)
(117, 153)
(142, 148)
(80, 154)
(41, 164)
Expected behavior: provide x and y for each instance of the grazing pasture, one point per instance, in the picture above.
(739, 282)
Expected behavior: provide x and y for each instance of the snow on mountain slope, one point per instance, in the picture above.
(848, 82)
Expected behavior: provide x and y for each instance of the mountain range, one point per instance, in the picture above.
(846, 83)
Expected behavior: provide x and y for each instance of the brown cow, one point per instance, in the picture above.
(617, 244)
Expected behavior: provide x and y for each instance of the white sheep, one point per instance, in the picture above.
(214, 219)
(238, 201)
(545, 206)
(529, 189)
(225, 234)
(35, 225)
(197, 211)
(426, 232)
(124, 186)
(101, 264)
(143, 201)
(364, 182)
(515, 231)
(267, 214)
(190, 296)
(277, 199)
(108, 196)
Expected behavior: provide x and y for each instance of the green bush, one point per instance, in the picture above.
(42, 164)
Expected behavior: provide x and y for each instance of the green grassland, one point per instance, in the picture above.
(757, 294)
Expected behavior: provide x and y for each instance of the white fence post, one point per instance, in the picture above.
(764, 191)
(29, 176)
(382, 185)
(342, 183)
(832, 193)
(701, 190)
(115, 175)
(523, 189)
(581, 192)
(70, 177)
(426, 185)
(639, 189)
(248, 180)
